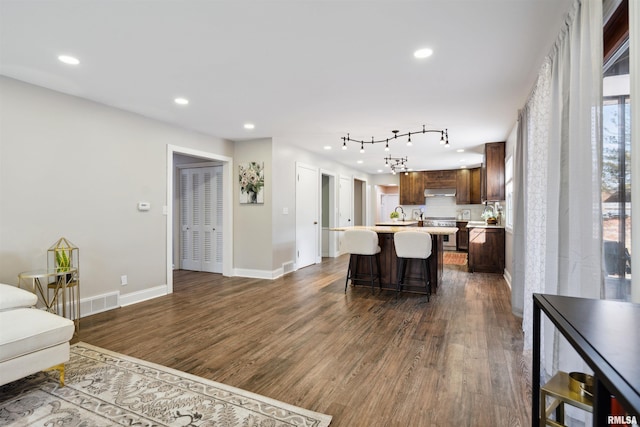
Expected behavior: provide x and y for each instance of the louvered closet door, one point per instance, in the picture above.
(201, 219)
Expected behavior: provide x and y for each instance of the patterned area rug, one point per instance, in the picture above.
(455, 258)
(103, 388)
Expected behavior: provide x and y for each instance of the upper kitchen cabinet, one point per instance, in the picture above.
(476, 179)
(492, 187)
(440, 179)
(412, 188)
(468, 186)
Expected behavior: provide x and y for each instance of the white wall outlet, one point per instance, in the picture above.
(285, 211)
(123, 280)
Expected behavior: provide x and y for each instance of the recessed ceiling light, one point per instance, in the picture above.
(463, 167)
(249, 126)
(423, 53)
(462, 160)
(359, 161)
(181, 101)
(379, 170)
(460, 150)
(392, 185)
(68, 59)
(327, 147)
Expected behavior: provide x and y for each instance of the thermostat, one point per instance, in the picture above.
(144, 206)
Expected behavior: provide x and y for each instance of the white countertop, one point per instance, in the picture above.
(482, 224)
(394, 229)
(398, 223)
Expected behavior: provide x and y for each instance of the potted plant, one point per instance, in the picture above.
(394, 216)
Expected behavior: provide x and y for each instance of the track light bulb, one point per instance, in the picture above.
(362, 147)
(409, 143)
(386, 147)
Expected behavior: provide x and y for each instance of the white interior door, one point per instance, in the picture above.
(201, 217)
(307, 215)
(346, 202)
(388, 203)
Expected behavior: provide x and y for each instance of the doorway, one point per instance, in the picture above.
(172, 222)
(388, 203)
(359, 211)
(329, 239)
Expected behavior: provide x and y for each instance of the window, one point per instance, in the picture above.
(616, 176)
(508, 178)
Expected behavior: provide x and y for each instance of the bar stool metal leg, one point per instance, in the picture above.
(352, 258)
(427, 278)
(372, 277)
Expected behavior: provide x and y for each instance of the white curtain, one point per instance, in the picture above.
(558, 242)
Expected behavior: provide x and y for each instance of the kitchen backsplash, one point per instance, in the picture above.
(445, 207)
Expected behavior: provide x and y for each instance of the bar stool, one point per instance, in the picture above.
(361, 243)
(413, 245)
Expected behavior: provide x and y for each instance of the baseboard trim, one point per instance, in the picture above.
(507, 278)
(143, 295)
(258, 274)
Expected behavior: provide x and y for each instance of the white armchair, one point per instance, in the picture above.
(31, 340)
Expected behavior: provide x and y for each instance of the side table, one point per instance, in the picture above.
(64, 284)
(558, 389)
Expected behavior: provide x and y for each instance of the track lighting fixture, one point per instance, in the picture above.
(444, 138)
(396, 164)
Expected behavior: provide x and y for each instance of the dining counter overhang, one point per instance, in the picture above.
(389, 261)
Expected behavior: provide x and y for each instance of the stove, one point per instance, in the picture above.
(440, 221)
(448, 240)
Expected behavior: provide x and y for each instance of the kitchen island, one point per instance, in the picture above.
(388, 258)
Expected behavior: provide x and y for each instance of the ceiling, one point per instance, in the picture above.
(306, 71)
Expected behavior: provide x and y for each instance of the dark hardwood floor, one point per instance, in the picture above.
(367, 360)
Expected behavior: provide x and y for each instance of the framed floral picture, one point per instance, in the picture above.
(251, 177)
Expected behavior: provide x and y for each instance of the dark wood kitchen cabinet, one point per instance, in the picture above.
(412, 188)
(492, 186)
(463, 187)
(474, 193)
(440, 179)
(468, 186)
(486, 250)
(462, 236)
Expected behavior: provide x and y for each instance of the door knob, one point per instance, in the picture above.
(315, 222)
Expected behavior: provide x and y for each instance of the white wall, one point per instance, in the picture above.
(252, 249)
(74, 168)
(285, 156)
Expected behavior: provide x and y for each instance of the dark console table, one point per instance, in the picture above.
(606, 334)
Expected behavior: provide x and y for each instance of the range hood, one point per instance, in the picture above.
(440, 192)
